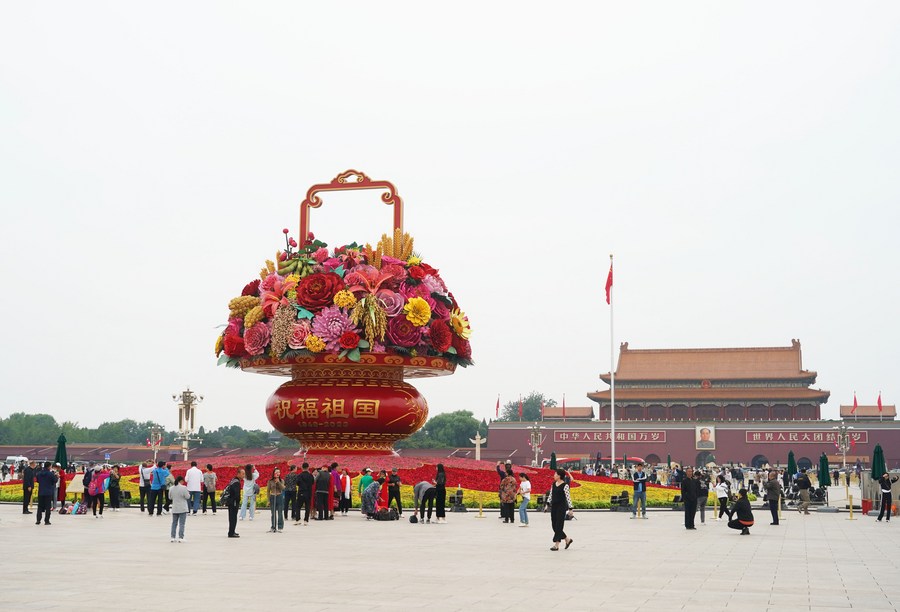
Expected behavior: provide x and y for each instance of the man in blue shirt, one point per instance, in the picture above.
(158, 488)
(46, 481)
(640, 490)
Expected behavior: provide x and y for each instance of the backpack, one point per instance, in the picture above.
(86, 481)
(385, 514)
(225, 497)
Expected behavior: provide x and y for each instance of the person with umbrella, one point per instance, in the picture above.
(885, 483)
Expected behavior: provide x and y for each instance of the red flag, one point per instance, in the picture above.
(520, 407)
(564, 405)
(854, 403)
(148, 441)
(879, 401)
(497, 409)
(609, 282)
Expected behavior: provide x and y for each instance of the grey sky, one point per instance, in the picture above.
(740, 159)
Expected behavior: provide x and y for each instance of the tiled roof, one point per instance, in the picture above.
(869, 411)
(713, 394)
(781, 362)
(571, 412)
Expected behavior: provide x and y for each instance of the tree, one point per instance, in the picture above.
(531, 408)
(448, 430)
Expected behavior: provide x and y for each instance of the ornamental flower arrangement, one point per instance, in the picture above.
(345, 301)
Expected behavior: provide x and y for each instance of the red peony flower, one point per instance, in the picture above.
(234, 346)
(403, 333)
(417, 272)
(251, 288)
(463, 348)
(428, 269)
(317, 291)
(441, 336)
(349, 340)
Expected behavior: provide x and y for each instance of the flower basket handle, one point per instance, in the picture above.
(348, 181)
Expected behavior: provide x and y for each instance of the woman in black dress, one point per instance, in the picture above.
(560, 504)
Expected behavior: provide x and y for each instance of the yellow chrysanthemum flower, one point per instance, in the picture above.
(344, 299)
(418, 312)
(414, 261)
(460, 324)
(220, 344)
(314, 343)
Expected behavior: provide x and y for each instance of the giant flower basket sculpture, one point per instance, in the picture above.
(349, 325)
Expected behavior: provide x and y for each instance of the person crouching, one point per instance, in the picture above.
(741, 508)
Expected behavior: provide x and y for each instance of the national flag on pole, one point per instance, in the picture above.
(497, 409)
(564, 405)
(855, 405)
(879, 401)
(520, 407)
(609, 282)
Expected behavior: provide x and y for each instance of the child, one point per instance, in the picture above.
(180, 496)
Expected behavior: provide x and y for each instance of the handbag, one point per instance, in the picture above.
(255, 489)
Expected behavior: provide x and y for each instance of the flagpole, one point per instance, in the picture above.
(612, 376)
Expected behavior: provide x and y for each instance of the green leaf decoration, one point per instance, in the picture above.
(363, 344)
(303, 313)
(340, 271)
(442, 299)
(452, 350)
(223, 359)
(354, 354)
(342, 354)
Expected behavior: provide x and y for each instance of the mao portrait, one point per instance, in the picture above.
(705, 438)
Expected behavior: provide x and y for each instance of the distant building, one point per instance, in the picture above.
(748, 406)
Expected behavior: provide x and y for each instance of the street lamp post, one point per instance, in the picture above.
(155, 440)
(843, 445)
(187, 409)
(536, 441)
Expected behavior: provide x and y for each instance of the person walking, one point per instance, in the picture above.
(772, 487)
(251, 489)
(145, 473)
(157, 488)
(115, 491)
(46, 481)
(639, 476)
(722, 492)
(560, 506)
(741, 508)
(290, 493)
(180, 498)
(275, 493)
(193, 480)
(394, 491)
(884, 484)
(690, 492)
(233, 500)
(209, 488)
(97, 489)
(525, 492)
(346, 488)
(803, 486)
(703, 496)
(424, 493)
(440, 499)
(304, 494)
(508, 490)
(27, 487)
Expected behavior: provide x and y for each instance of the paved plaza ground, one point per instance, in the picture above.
(125, 560)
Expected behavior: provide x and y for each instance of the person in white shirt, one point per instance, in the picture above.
(194, 480)
(525, 492)
(146, 473)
